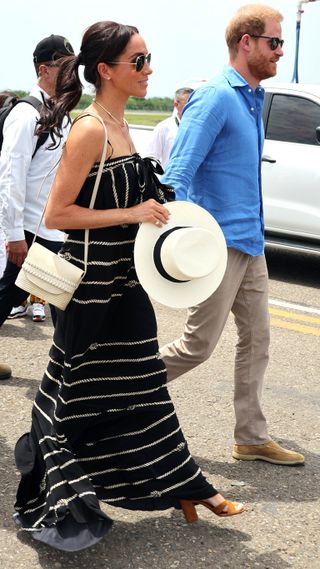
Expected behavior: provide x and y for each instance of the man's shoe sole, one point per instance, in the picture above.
(6, 376)
(266, 459)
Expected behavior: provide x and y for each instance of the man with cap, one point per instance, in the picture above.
(22, 172)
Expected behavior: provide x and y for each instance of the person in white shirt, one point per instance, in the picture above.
(165, 132)
(5, 97)
(37, 305)
(23, 173)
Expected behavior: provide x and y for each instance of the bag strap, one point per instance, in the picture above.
(97, 181)
(36, 104)
(95, 187)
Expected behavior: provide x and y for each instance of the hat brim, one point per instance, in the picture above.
(181, 294)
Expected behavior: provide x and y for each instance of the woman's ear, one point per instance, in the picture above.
(103, 70)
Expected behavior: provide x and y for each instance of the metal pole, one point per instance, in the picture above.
(295, 78)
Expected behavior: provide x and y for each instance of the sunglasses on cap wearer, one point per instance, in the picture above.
(139, 62)
(273, 42)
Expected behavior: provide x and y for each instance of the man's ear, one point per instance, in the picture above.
(42, 70)
(245, 42)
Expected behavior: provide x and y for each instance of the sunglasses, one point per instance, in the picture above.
(274, 42)
(139, 62)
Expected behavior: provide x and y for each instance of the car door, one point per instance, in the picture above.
(291, 166)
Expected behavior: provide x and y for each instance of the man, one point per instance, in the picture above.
(22, 172)
(37, 304)
(216, 162)
(21, 175)
(165, 132)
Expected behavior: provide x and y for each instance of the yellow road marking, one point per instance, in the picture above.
(296, 327)
(294, 315)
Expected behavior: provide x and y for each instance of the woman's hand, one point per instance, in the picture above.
(150, 211)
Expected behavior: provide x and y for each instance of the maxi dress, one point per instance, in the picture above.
(104, 427)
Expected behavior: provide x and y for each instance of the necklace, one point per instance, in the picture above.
(123, 121)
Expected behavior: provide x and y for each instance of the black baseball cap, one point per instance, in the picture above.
(51, 48)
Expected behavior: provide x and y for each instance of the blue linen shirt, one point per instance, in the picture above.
(216, 158)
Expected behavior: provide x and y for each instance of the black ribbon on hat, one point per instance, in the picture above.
(157, 255)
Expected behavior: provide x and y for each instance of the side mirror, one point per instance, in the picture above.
(318, 134)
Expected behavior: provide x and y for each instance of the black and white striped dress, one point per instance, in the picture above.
(103, 424)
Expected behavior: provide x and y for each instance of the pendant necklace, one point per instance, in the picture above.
(123, 121)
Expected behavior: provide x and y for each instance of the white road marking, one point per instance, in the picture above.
(294, 306)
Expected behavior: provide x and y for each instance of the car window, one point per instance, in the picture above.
(293, 119)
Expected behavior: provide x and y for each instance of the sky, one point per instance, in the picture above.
(185, 37)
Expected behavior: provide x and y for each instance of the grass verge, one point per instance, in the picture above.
(142, 118)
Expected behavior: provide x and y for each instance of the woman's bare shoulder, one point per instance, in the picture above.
(87, 125)
(87, 134)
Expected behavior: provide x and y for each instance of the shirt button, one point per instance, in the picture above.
(249, 90)
(252, 109)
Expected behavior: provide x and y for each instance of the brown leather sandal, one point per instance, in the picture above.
(224, 510)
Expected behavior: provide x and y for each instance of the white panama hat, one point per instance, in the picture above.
(183, 262)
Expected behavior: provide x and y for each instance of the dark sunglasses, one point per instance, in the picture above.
(274, 42)
(139, 62)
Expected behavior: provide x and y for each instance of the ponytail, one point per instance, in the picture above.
(56, 110)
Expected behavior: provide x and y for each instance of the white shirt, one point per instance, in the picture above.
(162, 140)
(21, 175)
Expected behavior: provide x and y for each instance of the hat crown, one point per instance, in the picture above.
(188, 253)
(183, 262)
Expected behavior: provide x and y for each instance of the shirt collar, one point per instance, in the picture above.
(235, 79)
(39, 93)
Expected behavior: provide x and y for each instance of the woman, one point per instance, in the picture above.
(104, 427)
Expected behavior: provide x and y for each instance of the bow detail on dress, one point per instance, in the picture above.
(149, 183)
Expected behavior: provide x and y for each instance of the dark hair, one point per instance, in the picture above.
(102, 42)
(6, 96)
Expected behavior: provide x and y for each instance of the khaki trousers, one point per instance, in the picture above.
(244, 291)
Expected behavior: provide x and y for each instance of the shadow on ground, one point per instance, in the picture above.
(166, 543)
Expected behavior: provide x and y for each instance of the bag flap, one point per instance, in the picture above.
(49, 271)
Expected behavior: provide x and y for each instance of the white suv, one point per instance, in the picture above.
(291, 165)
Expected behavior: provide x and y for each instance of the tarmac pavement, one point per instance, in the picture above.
(280, 528)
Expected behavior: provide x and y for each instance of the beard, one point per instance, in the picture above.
(261, 67)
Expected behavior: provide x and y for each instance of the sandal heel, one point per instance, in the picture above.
(189, 510)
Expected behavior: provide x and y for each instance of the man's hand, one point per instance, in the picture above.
(17, 251)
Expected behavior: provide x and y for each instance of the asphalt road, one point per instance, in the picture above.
(281, 526)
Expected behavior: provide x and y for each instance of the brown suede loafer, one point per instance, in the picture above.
(5, 371)
(270, 452)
